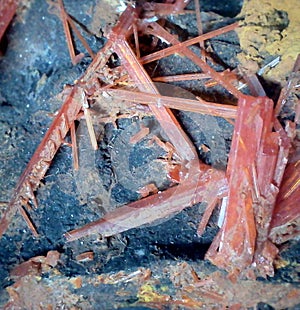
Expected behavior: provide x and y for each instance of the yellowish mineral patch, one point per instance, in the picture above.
(270, 28)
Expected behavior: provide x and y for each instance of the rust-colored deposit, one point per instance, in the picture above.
(262, 179)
